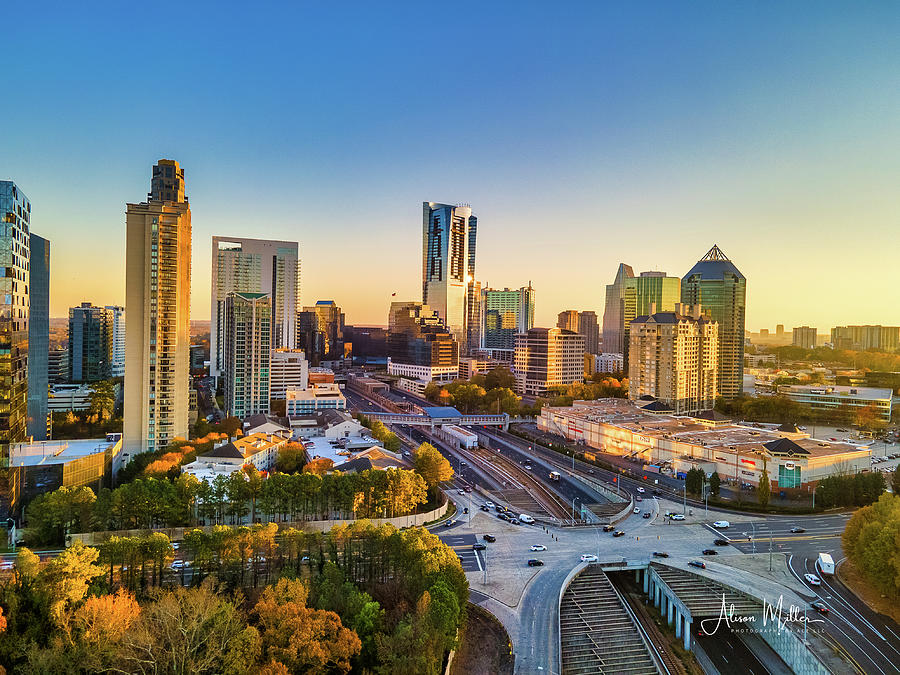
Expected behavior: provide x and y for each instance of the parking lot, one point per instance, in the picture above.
(472, 561)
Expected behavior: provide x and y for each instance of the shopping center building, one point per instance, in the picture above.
(737, 452)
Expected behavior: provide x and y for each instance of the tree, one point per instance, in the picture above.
(764, 490)
(872, 544)
(895, 481)
(499, 378)
(319, 466)
(869, 418)
(693, 481)
(431, 465)
(715, 484)
(66, 578)
(190, 630)
(102, 399)
(290, 458)
(305, 640)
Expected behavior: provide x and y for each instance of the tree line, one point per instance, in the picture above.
(152, 503)
(356, 599)
(857, 489)
(873, 546)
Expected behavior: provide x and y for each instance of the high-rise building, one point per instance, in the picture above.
(779, 330)
(505, 314)
(321, 331)
(568, 320)
(613, 311)
(547, 357)
(804, 336)
(473, 317)
(254, 266)
(448, 263)
(290, 370)
(590, 328)
(248, 353)
(720, 289)
(117, 317)
(15, 212)
(673, 357)
(861, 338)
(38, 336)
(157, 319)
(419, 345)
(90, 343)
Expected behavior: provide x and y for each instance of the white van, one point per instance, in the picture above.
(825, 563)
(525, 518)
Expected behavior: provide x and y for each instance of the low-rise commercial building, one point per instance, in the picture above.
(738, 453)
(314, 398)
(848, 400)
(69, 398)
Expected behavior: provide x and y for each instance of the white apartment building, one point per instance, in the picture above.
(290, 370)
(673, 357)
(313, 399)
(118, 340)
(424, 373)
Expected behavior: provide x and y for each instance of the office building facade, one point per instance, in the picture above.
(419, 345)
(589, 327)
(568, 320)
(804, 336)
(90, 343)
(505, 314)
(613, 313)
(254, 266)
(58, 365)
(719, 288)
(631, 296)
(38, 336)
(673, 358)
(321, 331)
(448, 263)
(248, 353)
(157, 319)
(547, 357)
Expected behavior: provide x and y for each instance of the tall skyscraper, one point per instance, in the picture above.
(505, 314)
(419, 345)
(90, 343)
(157, 319)
(720, 289)
(590, 328)
(568, 320)
(38, 336)
(673, 357)
(613, 312)
(248, 353)
(117, 317)
(15, 211)
(473, 317)
(448, 263)
(546, 358)
(630, 296)
(254, 266)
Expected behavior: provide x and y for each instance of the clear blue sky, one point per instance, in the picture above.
(583, 134)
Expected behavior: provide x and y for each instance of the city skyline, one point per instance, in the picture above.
(768, 157)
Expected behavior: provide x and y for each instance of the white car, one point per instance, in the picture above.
(460, 492)
(587, 557)
(812, 580)
(641, 490)
(677, 516)
(721, 524)
(490, 505)
(637, 510)
(538, 547)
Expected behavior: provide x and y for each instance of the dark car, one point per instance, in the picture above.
(647, 515)
(484, 508)
(608, 528)
(697, 563)
(660, 554)
(466, 510)
(618, 533)
(489, 537)
(478, 547)
(721, 542)
(820, 607)
(638, 499)
(514, 521)
(657, 491)
(710, 551)
(797, 530)
(534, 562)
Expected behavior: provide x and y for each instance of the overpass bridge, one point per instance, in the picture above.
(438, 416)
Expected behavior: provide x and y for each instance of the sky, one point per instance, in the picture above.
(583, 134)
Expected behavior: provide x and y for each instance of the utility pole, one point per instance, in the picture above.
(684, 505)
(770, 551)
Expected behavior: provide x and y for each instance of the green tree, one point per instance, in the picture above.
(693, 481)
(102, 399)
(291, 458)
(431, 465)
(499, 378)
(65, 579)
(715, 484)
(764, 490)
(895, 481)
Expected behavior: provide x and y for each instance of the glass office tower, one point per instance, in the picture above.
(38, 336)
(720, 289)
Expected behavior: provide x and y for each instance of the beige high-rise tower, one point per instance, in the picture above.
(157, 316)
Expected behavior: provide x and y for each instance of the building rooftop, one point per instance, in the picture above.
(839, 390)
(441, 412)
(56, 452)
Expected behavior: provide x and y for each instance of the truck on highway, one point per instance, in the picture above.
(554, 475)
(825, 563)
